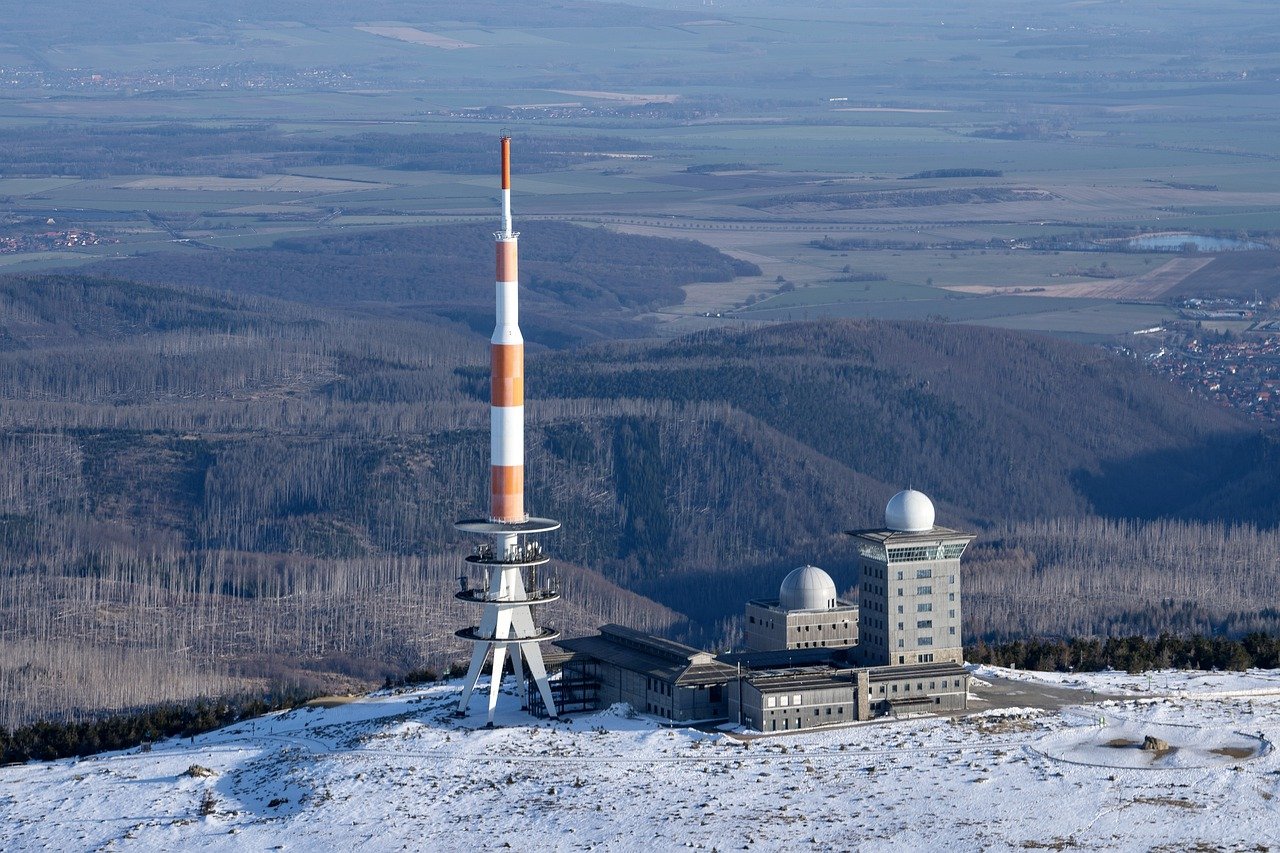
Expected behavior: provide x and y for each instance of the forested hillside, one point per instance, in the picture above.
(1005, 426)
(577, 283)
(204, 491)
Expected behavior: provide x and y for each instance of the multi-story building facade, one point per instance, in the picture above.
(910, 603)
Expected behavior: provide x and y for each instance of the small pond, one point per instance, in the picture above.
(1175, 242)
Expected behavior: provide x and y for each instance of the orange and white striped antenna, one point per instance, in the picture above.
(506, 360)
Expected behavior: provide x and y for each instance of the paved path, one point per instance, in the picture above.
(1007, 693)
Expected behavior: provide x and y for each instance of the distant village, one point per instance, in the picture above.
(46, 241)
(1225, 349)
(236, 76)
(1238, 372)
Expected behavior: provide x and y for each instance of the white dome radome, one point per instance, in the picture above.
(807, 588)
(909, 511)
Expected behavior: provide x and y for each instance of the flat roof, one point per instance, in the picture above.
(801, 679)
(778, 658)
(886, 537)
(774, 604)
(918, 670)
(532, 524)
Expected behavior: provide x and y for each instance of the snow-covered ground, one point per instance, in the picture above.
(395, 772)
(1164, 682)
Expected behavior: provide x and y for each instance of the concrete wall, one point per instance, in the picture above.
(919, 694)
(808, 629)
(777, 707)
(771, 629)
(766, 628)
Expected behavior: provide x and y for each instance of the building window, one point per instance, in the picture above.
(924, 607)
(925, 641)
(924, 623)
(899, 592)
(951, 579)
(796, 699)
(899, 608)
(899, 575)
(752, 619)
(951, 596)
(952, 630)
(899, 626)
(782, 700)
(924, 573)
(924, 590)
(839, 709)
(951, 613)
(771, 701)
(901, 644)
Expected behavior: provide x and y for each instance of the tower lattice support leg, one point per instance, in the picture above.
(501, 631)
(523, 621)
(488, 625)
(495, 681)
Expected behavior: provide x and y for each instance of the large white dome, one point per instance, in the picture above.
(909, 511)
(807, 588)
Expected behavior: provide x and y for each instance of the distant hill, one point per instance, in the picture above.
(1006, 425)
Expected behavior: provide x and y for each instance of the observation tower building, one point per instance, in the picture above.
(910, 587)
(510, 588)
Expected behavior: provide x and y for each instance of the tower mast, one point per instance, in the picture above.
(507, 626)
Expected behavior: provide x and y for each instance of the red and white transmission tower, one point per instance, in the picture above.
(507, 626)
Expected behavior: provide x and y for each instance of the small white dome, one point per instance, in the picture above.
(807, 588)
(909, 511)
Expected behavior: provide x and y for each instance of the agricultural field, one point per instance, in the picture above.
(757, 130)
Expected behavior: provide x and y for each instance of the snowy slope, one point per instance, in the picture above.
(396, 772)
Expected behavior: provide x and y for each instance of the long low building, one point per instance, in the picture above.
(806, 688)
(779, 700)
(653, 675)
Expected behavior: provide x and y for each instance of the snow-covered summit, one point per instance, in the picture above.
(396, 771)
